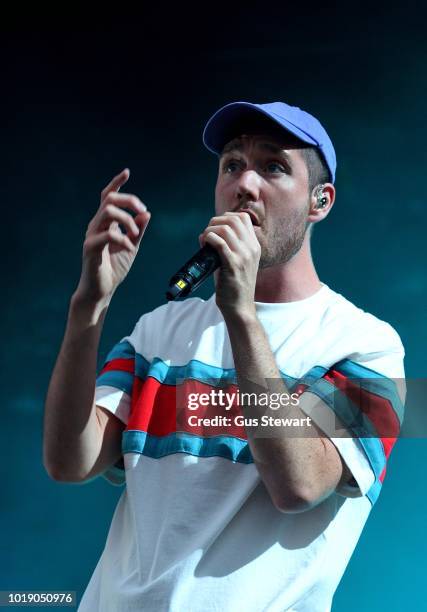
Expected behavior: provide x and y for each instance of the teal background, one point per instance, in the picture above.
(83, 100)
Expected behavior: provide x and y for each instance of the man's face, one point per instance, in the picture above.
(267, 175)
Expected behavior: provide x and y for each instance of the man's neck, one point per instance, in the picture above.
(271, 289)
(296, 280)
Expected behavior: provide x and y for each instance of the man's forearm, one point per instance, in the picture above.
(298, 469)
(71, 443)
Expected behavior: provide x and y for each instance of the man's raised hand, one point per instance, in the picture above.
(108, 253)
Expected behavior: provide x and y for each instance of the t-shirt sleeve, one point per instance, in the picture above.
(358, 403)
(115, 380)
(114, 385)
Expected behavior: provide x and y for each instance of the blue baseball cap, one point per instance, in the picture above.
(223, 124)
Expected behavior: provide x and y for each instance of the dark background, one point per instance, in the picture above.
(82, 98)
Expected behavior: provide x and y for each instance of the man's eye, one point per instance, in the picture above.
(230, 166)
(274, 167)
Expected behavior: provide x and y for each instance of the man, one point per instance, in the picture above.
(260, 514)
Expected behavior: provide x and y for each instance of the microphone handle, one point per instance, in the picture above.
(193, 273)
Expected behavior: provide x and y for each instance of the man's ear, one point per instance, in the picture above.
(321, 201)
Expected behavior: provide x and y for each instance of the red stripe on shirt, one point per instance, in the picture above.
(161, 409)
(124, 365)
(377, 409)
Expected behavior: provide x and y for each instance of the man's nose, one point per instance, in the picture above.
(248, 185)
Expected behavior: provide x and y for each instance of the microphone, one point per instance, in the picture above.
(193, 273)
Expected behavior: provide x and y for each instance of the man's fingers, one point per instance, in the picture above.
(233, 229)
(222, 248)
(244, 217)
(240, 222)
(112, 236)
(142, 221)
(226, 233)
(116, 183)
(112, 213)
(125, 200)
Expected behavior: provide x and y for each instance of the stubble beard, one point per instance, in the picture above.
(283, 241)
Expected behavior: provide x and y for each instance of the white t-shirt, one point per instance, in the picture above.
(195, 529)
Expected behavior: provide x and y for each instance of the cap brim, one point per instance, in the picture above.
(231, 120)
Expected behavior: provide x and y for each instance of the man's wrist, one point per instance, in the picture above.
(241, 317)
(87, 311)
